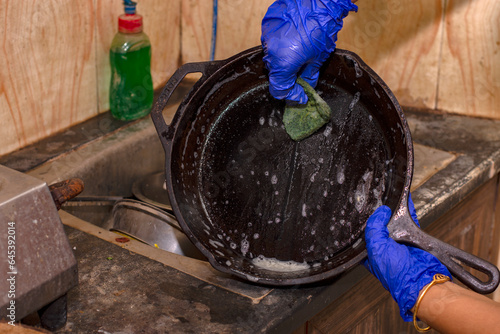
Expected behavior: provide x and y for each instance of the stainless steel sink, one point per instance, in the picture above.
(109, 167)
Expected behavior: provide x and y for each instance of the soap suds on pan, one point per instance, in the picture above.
(277, 265)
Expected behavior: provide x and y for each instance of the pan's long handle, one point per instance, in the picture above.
(157, 112)
(403, 229)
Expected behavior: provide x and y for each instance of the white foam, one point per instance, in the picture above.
(245, 245)
(340, 177)
(313, 176)
(216, 243)
(273, 264)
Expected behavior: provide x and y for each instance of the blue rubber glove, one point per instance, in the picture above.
(402, 270)
(298, 36)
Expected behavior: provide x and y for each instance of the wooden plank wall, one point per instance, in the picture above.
(54, 67)
(54, 70)
(435, 54)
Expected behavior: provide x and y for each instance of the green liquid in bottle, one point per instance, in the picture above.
(131, 89)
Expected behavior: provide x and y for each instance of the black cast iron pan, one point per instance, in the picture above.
(270, 210)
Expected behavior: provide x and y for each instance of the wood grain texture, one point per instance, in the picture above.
(238, 27)
(161, 24)
(47, 68)
(54, 66)
(400, 40)
(196, 23)
(469, 81)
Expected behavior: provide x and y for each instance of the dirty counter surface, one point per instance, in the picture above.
(123, 292)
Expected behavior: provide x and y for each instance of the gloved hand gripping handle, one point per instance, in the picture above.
(403, 229)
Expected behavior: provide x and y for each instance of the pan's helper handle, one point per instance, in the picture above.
(403, 229)
(161, 126)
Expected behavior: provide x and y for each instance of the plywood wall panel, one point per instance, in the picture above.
(54, 66)
(196, 23)
(400, 40)
(47, 68)
(470, 69)
(161, 24)
(107, 13)
(238, 27)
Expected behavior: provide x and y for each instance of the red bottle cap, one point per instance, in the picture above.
(130, 23)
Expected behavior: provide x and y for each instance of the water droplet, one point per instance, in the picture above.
(327, 131)
(304, 212)
(245, 245)
(313, 176)
(354, 100)
(274, 179)
(262, 120)
(340, 177)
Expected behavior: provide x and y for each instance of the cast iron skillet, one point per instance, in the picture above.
(270, 210)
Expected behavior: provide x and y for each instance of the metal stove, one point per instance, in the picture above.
(37, 265)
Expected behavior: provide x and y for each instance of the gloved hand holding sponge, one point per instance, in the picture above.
(298, 36)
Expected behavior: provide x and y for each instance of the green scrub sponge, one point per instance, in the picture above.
(303, 120)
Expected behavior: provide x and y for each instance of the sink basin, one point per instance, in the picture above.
(109, 167)
(133, 219)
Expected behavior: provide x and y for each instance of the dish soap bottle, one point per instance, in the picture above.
(131, 88)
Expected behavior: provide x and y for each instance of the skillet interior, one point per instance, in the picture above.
(269, 209)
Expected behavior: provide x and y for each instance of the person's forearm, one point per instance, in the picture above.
(449, 308)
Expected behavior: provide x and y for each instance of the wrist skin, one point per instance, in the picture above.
(449, 308)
